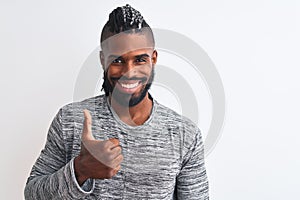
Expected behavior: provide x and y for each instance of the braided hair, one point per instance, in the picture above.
(125, 19)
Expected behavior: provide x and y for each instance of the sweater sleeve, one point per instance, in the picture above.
(52, 176)
(192, 182)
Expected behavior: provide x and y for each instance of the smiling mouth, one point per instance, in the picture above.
(130, 85)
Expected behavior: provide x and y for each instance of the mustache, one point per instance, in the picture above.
(124, 78)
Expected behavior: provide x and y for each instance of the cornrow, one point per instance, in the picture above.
(132, 15)
(122, 19)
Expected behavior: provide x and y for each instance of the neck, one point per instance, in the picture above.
(134, 115)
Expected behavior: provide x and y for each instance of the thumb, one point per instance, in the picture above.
(87, 126)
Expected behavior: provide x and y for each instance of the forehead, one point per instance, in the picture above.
(124, 43)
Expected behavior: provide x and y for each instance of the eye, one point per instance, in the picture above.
(139, 60)
(117, 60)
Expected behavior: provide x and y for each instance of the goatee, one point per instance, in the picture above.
(128, 100)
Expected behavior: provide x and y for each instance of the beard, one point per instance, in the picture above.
(128, 100)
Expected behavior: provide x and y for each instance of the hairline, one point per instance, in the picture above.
(147, 31)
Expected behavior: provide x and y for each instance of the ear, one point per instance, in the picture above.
(101, 55)
(154, 57)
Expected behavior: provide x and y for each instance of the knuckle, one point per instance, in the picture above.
(111, 156)
(119, 149)
(106, 145)
(105, 151)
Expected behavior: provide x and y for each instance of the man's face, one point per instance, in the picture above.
(128, 61)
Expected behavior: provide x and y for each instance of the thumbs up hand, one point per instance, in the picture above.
(97, 159)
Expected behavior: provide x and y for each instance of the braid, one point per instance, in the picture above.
(132, 17)
(124, 18)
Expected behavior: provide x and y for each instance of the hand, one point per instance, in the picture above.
(97, 159)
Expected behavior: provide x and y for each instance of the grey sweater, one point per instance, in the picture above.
(163, 158)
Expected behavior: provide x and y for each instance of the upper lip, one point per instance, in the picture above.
(128, 81)
(125, 80)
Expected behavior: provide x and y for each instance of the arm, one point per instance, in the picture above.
(52, 177)
(192, 180)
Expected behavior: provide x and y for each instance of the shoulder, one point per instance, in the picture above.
(184, 128)
(177, 123)
(86, 103)
(172, 118)
(74, 110)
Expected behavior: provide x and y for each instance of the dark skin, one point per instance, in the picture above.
(88, 164)
(129, 56)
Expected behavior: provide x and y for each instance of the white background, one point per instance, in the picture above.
(253, 44)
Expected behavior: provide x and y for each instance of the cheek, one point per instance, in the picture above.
(144, 70)
(114, 71)
(139, 70)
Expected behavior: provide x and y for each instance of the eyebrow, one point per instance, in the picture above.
(113, 57)
(142, 55)
(120, 57)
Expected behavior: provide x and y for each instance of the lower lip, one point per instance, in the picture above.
(127, 90)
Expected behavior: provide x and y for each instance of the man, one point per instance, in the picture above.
(124, 144)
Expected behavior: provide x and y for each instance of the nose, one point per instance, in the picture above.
(129, 69)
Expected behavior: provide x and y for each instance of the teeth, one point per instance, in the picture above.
(129, 86)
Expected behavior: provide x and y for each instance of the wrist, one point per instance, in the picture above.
(80, 176)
